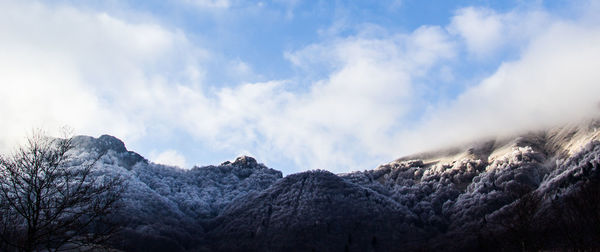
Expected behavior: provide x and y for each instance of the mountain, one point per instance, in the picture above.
(164, 206)
(312, 211)
(537, 190)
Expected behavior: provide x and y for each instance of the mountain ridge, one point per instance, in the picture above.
(451, 198)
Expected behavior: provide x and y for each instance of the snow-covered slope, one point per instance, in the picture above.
(456, 191)
(510, 193)
(163, 206)
(463, 198)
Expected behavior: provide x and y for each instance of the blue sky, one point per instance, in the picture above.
(336, 85)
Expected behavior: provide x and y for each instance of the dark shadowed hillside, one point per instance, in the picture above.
(314, 210)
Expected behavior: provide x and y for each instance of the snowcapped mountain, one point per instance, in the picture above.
(539, 190)
(164, 207)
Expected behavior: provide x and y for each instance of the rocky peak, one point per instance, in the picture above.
(106, 143)
(112, 143)
(245, 161)
(101, 144)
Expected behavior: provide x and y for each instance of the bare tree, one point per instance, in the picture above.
(47, 201)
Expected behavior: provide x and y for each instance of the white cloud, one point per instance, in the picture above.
(341, 121)
(210, 3)
(481, 28)
(555, 81)
(485, 31)
(102, 74)
(169, 157)
(89, 70)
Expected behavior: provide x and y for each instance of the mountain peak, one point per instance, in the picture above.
(245, 161)
(112, 143)
(242, 161)
(101, 144)
(106, 143)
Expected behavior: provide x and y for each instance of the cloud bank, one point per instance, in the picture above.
(169, 157)
(137, 79)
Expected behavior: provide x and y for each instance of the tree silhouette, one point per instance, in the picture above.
(48, 202)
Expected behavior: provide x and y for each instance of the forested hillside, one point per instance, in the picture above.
(539, 190)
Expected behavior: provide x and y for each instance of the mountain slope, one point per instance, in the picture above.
(163, 207)
(456, 191)
(313, 210)
(539, 190)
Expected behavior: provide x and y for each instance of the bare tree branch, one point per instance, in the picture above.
(48, 203)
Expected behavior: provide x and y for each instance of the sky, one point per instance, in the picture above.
(299, 85)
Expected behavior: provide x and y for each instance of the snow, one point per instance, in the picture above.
(439, 195)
